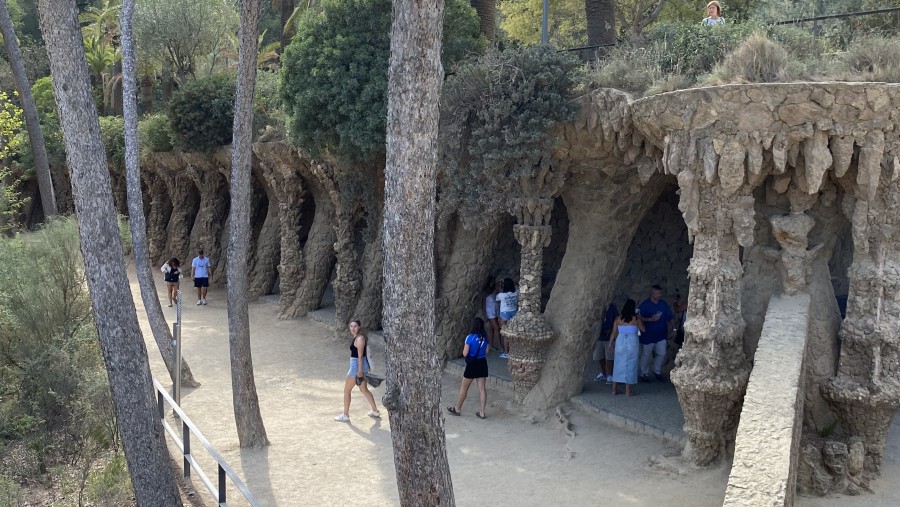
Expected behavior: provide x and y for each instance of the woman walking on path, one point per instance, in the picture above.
(359, 365)
(624, 341)
(172, 270)
(475, 352)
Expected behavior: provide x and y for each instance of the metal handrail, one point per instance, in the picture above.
(184, 445)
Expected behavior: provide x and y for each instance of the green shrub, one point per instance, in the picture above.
(334, 74)
(874, 58)
(155, 134)
(628, 68)
(756, 60)
(111, 486)
(268, 115)
(693, 49)
(202, 113)
(498, 115)
(112, 131)
(10, 493)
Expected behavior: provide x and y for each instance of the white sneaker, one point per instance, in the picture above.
(342, 418)
(374, 414)
(600, 377)
(504, 356)
(203, 301)
(199, 302)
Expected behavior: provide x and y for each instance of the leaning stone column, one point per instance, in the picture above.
(529, 333)
(710, 374)
(866, 392)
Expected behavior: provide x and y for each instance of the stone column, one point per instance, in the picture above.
(710, 373)
(866, 392)
(215, 201)
(529, 333)
(158, 217)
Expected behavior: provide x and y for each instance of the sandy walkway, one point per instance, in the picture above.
(512, 458)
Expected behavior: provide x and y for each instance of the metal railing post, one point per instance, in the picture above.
(160, 405)
(186, 445)
(221, 485)
(176, 335)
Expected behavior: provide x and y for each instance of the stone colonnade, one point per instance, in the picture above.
(810, 146)
(757, 167)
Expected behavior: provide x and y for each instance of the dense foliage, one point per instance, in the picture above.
(202, 113)
(334, 74)
(112, 131)
(498, 115)
(55, 405)
(155, 133)
(11, 139)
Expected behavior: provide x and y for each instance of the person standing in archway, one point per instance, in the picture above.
(657, 318)
(201, 271)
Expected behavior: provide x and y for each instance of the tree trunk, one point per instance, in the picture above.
(414, 369)
(287, 8)
(104, 262)
(162, 335)
(35, 137)
(601, 21)
(250, 428)
(487, 14)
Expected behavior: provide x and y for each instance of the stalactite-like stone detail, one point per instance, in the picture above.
(731, 166)
(158, 218)
(817, 159)
(842, 152)
(185, 202)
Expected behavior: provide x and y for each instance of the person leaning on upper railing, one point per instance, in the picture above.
(715, 14)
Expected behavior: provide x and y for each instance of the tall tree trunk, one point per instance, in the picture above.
(287, 8)
(161, 333)
(35, 137)
(104, 262)
(414, 368)
(487, 15)
(601, 21)
(250, 428)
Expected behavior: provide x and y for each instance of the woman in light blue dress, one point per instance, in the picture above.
(624, 341)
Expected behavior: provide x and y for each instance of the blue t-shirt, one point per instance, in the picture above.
(659, 330)
(477, 346)
(201, 267)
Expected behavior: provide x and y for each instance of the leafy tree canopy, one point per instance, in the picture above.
(498, 116)
(334, 73)
(184, 35)
(567, 25)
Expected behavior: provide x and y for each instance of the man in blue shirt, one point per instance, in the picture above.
(657, 318)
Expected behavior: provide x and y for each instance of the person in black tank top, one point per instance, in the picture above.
(359, 365)
(172, 273)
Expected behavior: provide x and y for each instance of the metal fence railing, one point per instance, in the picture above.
(183, 441)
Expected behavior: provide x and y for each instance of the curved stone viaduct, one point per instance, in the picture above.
(778, 186)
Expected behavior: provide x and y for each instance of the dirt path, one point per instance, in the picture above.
(512, 458)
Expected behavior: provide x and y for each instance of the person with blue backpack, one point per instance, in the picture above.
(475, 352)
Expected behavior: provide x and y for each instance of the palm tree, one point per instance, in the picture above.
(32, 124)
(487, 14)
(601, 22)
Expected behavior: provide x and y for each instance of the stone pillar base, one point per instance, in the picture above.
(529, 336)
(710, 404)
(865, 411)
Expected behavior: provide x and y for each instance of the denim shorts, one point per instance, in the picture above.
(507, 315)
(354, 365)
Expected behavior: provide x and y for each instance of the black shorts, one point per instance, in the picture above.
(476, 368)
(201, 282)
